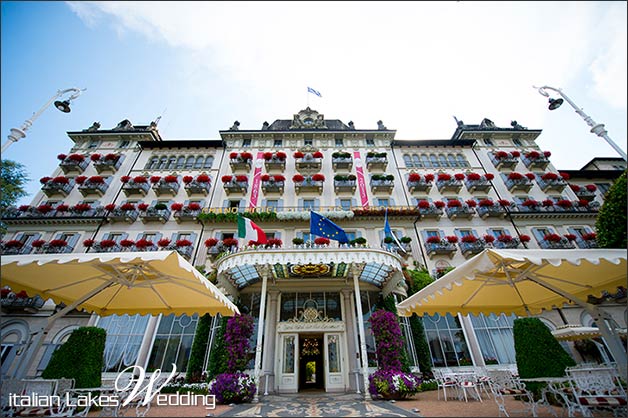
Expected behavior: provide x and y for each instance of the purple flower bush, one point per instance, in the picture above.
(235, 386)
(232, 388)
(389, 382)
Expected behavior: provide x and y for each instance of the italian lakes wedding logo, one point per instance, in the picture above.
(129, 387)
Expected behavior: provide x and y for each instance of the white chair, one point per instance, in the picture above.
(596, 389)
(467, 382)
(506, 386)
(444, 381)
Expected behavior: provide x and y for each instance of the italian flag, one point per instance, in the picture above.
(249, 231)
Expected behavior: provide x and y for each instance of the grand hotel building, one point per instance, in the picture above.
(128, 189)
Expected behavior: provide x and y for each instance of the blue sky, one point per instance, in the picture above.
(414, 65)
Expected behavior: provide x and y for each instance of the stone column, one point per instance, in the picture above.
(147, 341)
(270, 332)
(260, 331)
(353, 362)
(365, 372)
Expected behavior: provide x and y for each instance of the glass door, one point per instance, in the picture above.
(288, 380)
(334, 380)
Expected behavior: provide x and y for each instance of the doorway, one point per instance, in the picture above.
(311, 367)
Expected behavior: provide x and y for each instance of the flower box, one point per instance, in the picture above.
(344, 183)
(308, 162)
(376, 160)
(136, 186)
(503, 159)
(76, 163)
(166, 186)
(240, 161)
(110, 163)
(440, 247)
(382, 183)
(341, 160)
(275, 161)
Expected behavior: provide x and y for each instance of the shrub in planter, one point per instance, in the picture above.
(232, 388)
(160, 206)
(297, 241)
(405, 240)
(80, 358)
(393, 384)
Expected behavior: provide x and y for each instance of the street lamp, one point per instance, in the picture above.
(596, 128)
(64, 106)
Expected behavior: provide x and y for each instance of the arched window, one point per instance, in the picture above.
(163, 163)
(209, 161)
(408, 161)
(452, 160)
(152, 163)
(180, 162)
(189, 163)
(171, 162)
(426, 161)
(443, 160)
(462, 161)
(434, 161)
(417, 161)
(199, 162)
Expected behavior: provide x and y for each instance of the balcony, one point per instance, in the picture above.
(562, 244)
(586, 243)
(309, 185)
(275, 164)
(501, 163)
(90, 188)
(152, 214)
(405, 251)
(53, 248)
(431, 212)
(52, 188)
(344, 186)
(382, 185)
(197, 187)
(493, 211)
(342, 163)
(506, 243)
(186, 215)
(440, 248)
(469, 249)
(421, 186)
(538, 163)
(272, 186)
(555, 185)
(523, 185)
(308, 163)
(108, 165)
(452, 185)
(132, 188)
(163, 187)
(482, 185)
(120, 215)
(585, 194)
(184, 251)
(376, 163)
(15, 303)
(15, 249)
(460, 212)
(234, 186)
(240, 163)
(69, 165)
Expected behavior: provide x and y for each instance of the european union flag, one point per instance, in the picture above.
(323, 227)
(311, 90)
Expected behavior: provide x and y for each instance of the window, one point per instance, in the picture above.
(172, 162)
(93, 144)
(180, 162)
(124, 143)
(272, 204)
(417, 161)
(226, 235)
(152, 163)
(407, 160)
(494, 333)
(124, 337)
(426, 161)
(443, 160)
(462, 161)
(209, 161)
(189, 163)
(308, 141)
(351, 235)
(488, 142)
(173, 342)
(309, 204)
(345, 204)
(234, 203)
(385, 202)
(198, 164)
(163, 163)
(246, 142)
(369, 305)
(434, 160)
(327, 303)
(339, 142)
(517, 142)
(308, 237)
(446, 341)
(452, 160)
(278, 143)
(603, 188)
(370, 142)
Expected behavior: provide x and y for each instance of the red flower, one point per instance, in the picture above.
(547, 154)
(14, 244)
(500, 154)
(504, 238)
(110, 206)
(58, 243)
(433, 240)
(203, 178)
(318, 177)
(452, 239)
(268, 155)
(130, 206)
(552, 237)
(81, 207)
(321, 241)
(62, 208)
(23, 208)
(38, 243)
(279, 177)
(570, 237)
(155, 179)
(471, 203)
(281, 155)
(226, 179)
(44, 208)
(549, 176)
(515, 176)
(276, 242)
(187, 179)
(583, 203)
(489, 176)
(298, 154)
(125, 179)
(515, 154)
(548, 202)
(504, 202)
(61, 180)
(524, 238)
(241, 178)
(233, 155)
(298, 178)
(454, 203)
(489, 238)
(468, 238)
(530, 202)
(533, 155)
(76, 157)
(80, 179)
(127, 243)
(423, 204)
(62, 157)
(444, 177)
(171, 179)
(414, 177)
(246, 155)
(230, 242)
(97, 180)
(107, 243)
(143, 243)
(21, 294)
(210, 242)
(473, 176)
(429, 177)
(591, 187)
(530, 176)
(564, 203)
(164, 242)
(439, 204)
(140, 179)
(45, 180)
(176, 206)
(193, 206)
(111, 157)
(95, 157)
(485, 202)
(574, 187)
(565, 176)
(265, 177)
(317, 154)
(459, 176)
(183, 243)
(589, 236)
(142, 206)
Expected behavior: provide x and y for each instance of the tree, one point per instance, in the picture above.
(13, 177)
(417, 280)
(611, 220)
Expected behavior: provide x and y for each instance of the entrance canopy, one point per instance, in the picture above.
(151, 282)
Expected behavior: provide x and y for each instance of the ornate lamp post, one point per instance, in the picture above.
(596, 128)
(64, 106)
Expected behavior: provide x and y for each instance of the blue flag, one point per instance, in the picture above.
(388, 232)
(311, 90)
(323, 227)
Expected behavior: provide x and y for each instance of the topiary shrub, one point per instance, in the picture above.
(80, 358)
(611, 220)
(537, 352)
(218, 354)
(199, 348)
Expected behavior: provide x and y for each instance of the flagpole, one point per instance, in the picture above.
(307, 97)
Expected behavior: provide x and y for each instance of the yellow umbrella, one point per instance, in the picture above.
(575, 332)
(151, 282)
(526, 282)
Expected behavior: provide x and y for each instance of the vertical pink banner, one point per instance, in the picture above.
(257, 176)
(361, 183)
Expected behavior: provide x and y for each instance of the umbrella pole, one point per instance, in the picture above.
(34, 343)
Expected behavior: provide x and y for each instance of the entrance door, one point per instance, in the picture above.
(333, 349)
(288, 363)
(311, 367)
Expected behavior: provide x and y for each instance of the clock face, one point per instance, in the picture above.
(308, 121)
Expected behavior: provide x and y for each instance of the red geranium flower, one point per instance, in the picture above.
(429, 177)
(459, 176)
(140, 179)
(317, 154)
(176, 206)
(423, 204)
(414, 177)
(265, 177)
(187, 179)
(194, 206)
(524, 238)
(241, 178)
(210, 242)
(298, 154)
(298, 178)
(471, 203)
(452, 239)
(489, 176)
(164, 242)
(226, 179)
(203, 178)
(142, 206)
(489, 238)
(155, 179)
(433, 240)
(321, 241)
(95, 157)
(318, 177)
(473, 176)
(439, 204)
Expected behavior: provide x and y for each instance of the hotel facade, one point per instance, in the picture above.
(128, 189)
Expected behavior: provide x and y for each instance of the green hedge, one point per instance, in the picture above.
(611, 220)
(218, 354)
(80, 358)
(199, 348)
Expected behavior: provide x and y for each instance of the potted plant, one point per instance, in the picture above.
(297, 241)
(433, 240)
(211, 242)
(321, 241)
(203, 178)
(405, 240)
(488, 238)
